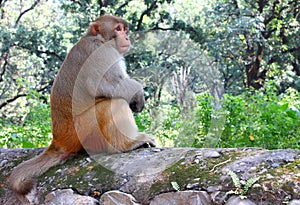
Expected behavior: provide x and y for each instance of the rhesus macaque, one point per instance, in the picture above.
(92, 100)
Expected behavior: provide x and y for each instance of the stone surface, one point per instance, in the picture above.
(117, 198)
(236, 200)
(183, 197)
(146, 174)
(294, 202)
(68, 197)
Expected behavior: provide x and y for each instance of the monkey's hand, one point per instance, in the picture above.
(137, 102)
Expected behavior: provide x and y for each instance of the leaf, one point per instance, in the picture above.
(284, 107)
(26, 144)
(235, 179)
(249, 184)
(176, 186)
(292, 114)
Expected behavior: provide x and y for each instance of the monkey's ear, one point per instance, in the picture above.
(94, 29)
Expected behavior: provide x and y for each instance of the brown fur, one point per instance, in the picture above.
(100, 118)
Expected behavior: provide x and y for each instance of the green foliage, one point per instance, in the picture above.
(34, 130)
(175, 186)
(235, 179)
(182, 51)
(261, 119)
(252, 119)
(249, 183)
(161, 122)
(241, 33)
(241, 190)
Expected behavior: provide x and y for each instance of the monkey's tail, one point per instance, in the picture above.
(24, 177)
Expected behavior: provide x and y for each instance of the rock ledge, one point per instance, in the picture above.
(144, 176)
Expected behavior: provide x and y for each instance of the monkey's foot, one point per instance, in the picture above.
(143, 141)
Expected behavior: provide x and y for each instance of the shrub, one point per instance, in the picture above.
(257, 119)
(252, 119)
(33, 131)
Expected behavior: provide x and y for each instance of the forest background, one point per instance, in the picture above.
(222, 73)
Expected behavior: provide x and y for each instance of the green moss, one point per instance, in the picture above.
(293, 167)
(73, 174)
(187, 172)
(3, 182)
(280, 173)
(28, 156)
(16, 161)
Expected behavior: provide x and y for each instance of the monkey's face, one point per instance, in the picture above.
(121, 37)
(112, 28)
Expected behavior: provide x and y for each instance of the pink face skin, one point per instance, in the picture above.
(123, 41)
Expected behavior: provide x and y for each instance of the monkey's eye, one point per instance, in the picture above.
(126, 30)
(119, 28)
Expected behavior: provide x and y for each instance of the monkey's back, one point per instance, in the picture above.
(63, 86)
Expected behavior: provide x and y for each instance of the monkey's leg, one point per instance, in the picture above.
(125, 128)
(110, 127)
(64, 134)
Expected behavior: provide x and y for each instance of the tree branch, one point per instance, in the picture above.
(162, 29)
(42, 52)
(50, 53)
(271, 16)
(4, 63)
(276, 57)
(296, 68)
(77, 2)
(122, 6)
(2, 2)
(24, 12)
(146, 12)
(24, 95)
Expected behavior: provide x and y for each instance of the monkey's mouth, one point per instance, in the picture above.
(124, 48)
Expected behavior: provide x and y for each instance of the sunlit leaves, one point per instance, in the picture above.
(240, 30)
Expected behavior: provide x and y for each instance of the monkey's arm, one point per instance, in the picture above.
(116, 84)
(128, 89)
(103, 74)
